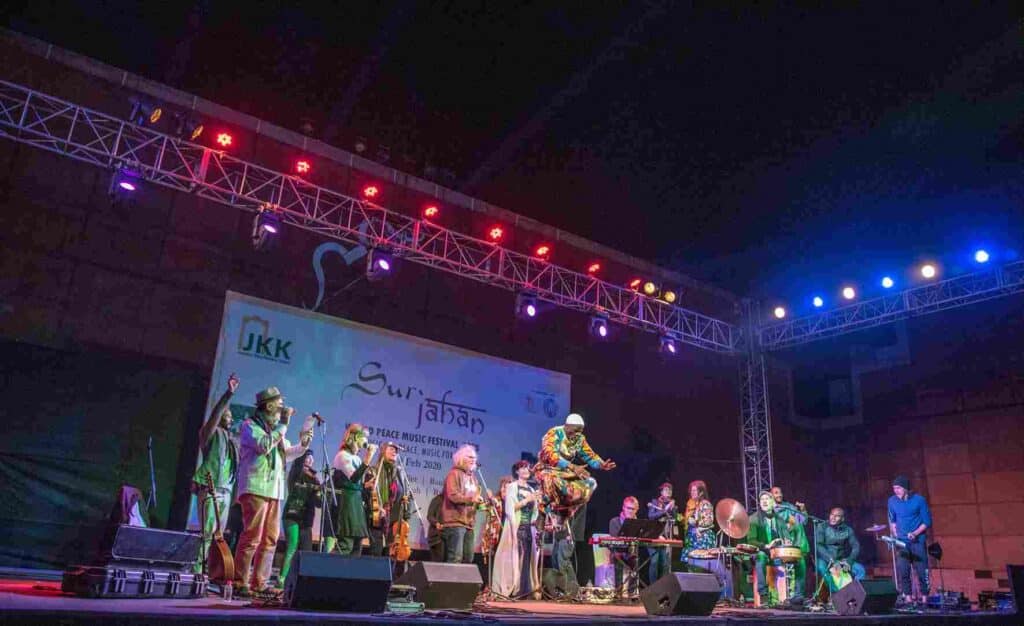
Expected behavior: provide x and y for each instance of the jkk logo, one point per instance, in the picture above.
(255, 340)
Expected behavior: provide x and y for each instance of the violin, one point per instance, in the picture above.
(400, 550)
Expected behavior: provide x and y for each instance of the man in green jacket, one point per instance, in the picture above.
(771, 528)
(219, 465)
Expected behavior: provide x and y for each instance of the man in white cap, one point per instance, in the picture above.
(564, 458)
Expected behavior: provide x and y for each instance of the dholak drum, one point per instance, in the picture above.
(787, 554)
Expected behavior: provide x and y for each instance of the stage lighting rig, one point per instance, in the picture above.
(185, 125)
(144, 113)
(526, 306)
(667, 346)
(379, 264)
(265, 227)
(599, 326)
(123, 182)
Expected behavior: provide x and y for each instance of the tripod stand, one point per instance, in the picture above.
(327, 493)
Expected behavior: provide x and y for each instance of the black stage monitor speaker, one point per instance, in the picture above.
(682, 594)
(338, 583)
(444, 585)
(871, 596)
(1016, 575)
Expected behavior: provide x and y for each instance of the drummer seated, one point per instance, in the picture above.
(837, 549)
(771, 528)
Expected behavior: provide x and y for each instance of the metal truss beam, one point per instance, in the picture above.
(942, 296)
(37, 119)
(755, 419)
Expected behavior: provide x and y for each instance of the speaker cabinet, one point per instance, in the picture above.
(682, 594)
(444, 585)
(338, 583)
(1016, 575)
(871, 596)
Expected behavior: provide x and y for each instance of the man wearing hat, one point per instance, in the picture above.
(909, 519)
(564, 458)
(263, 452)
(771, 527)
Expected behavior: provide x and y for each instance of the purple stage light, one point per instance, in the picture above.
(531, 310)
(127, 186)
(384, 265)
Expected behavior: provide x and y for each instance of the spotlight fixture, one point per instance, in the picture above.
(378, 265)
(928, 270)
(495, 234)
(265, 226)
(360, 145)
(669, 296)
(123, 182)
(185, 125)
(635, 284)
(780, 312)
(818, 302)
(650, 288)
(667, 345)
(888, 282)
(849, 293)
(593, 268)
(543, 251)
(981, 256)
(224, 140)
(526, 306)
(431, 212)
(302, 167)
(144, 113)
(599, 326)
(371, 191)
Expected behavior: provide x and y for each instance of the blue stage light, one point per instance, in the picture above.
(818, 302)
(887, 282)
(849, 293)
(981, 256)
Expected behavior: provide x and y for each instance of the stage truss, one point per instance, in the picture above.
(43, 121)
(948, 294)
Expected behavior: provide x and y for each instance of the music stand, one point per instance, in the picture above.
(642, 528)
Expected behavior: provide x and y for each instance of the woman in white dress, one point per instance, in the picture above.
(515, 563)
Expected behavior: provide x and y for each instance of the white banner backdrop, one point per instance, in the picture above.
(428, 397)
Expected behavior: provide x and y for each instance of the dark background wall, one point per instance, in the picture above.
(117, 305)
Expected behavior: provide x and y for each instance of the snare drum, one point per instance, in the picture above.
(787, 554)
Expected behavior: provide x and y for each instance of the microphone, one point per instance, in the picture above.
(319, 420)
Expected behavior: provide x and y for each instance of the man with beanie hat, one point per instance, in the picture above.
(909, 519)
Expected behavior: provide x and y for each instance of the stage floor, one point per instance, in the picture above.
(42, 602)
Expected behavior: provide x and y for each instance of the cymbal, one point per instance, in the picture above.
(732, 518)
(875, 528)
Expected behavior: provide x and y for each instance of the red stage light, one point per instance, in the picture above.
(594, 268)
(543, 250)
(635, 284)
(431, 212)
(224, 139)
(371, 191)
(496, 233)
(302, 167)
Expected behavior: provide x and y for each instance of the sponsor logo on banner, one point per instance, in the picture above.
(254, 340)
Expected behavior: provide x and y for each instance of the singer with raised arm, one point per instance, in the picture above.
(909, 520)
(461, 498)
(219, 450)
(350, 466)
(662, 508)
(263, 453)
(562, 465)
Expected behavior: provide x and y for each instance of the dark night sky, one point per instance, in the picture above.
(769, 151)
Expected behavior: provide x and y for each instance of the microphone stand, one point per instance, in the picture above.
(326, 489)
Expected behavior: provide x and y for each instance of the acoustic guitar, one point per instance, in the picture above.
(220, 561)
